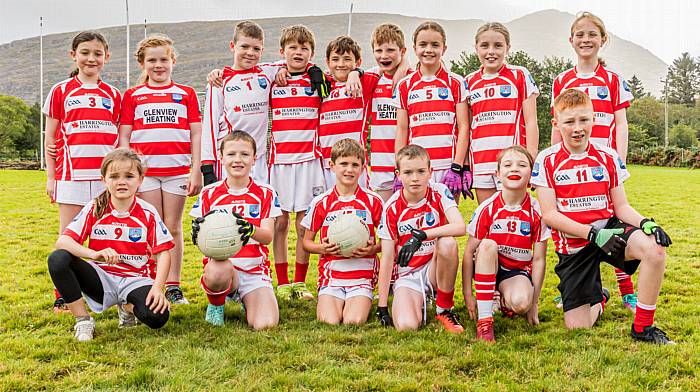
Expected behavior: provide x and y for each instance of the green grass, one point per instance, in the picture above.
(39, 351)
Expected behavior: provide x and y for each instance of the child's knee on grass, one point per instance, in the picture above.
(218, 274)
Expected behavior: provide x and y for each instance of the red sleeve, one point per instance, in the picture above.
(483, 223)
(317, 217)
(56, 104)
(127, 108)
(266, 204)
(369, 83)
(377, 212)
(117, 107)
(193, 115)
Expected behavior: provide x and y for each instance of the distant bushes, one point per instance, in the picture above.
(660, 156)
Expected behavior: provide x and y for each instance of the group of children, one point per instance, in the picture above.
(394, 145)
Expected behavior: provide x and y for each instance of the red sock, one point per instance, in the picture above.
(56, 293)
(217, 298)
(485, 286)
(300, 272)
(282, 274)
(624, 282)
(173, 283)
(445, 299)
(644, 316)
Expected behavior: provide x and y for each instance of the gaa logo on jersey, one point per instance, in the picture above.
(602, 92)
(254, 210)
(177, 98)
(597, 173)
(107, 103)
(525, 228)
(262, 82)
(505, 91)
(135, 234)
(411, 96)
(429, 219)
(230, 89)
(536, 169)
(443, 93)
(308, 91)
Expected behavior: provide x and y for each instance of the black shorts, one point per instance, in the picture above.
(503, 274)
(579, 273)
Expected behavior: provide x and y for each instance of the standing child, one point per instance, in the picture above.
(389, 50)
(509, 239)
(503, 108)
(255, 207)
(160, 120)
(610, 95)
(418, 230)
(432, 110)
(81, 128)
(345, 284)
(580, 187)
(128, 244)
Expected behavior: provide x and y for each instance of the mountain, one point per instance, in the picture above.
(202, 46)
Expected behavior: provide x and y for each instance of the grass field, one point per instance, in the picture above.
(39, 351)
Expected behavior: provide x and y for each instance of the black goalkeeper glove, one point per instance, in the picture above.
(384, 317)
(208, 173)
(195, 228)
(318, 81)
(649, 227)
(411, 246)
(608, 240)
(246, 229)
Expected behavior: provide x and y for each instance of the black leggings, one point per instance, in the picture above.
(73, 277)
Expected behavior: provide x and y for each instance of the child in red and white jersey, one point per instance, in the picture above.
(345, 284)
(431, 110)
(580, 188)
(255, 206)
(238, 98)
(503, 107)
(611, 97)
(81, 128)
(418, 230)
(509, 239)
(389, 51)
(344, 115)
(160, 120)
(128, 245)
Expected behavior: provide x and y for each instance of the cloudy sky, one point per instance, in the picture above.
(663, 27)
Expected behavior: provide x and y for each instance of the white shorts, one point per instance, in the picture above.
(418, 280)
(439, 175)
(259, 172)
(381, 181)
(116, 288)
(330, 178)
(77, 192)
(247, 283)
(486, 181)
(177, 185)
(297, 184)
(345, 293)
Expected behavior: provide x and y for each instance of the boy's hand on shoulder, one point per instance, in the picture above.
(215, 78)
(282, 76)
(354, 84)
(318, 81)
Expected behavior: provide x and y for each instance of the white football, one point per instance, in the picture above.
(349, 232)
(218, 235)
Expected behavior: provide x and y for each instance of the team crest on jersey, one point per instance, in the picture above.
(362, 214)
(525, 228)
(429, 219)
(597, 173)
(449, 194)
(254, 211)
(162, 227)
(536, 169)
(308, 91)
(621, 163)
(177, 98)
(602, 92)
(443, 93)
(505, 91)
(107, 103)
(262, 82)
(135, 234)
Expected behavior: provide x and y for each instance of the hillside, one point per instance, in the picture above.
(204, 45)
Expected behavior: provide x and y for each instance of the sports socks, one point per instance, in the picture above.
(172, 283)
(281, 270)
(217, 298)
(56, 293)
(445, 300)
(485, 286)
(644, 316)
(624, 282)
(300, 272)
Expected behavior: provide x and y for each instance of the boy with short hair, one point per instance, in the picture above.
(344, 115)
(418, 230)
(580, 188)
(345, 284)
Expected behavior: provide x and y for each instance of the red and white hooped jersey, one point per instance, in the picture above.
(431, 105)
(160, 118)
(338, 271)
(516, 229)
(241, 104)
(254, 203)
(382, 133)
(344, 117)
(582, 184)
(136, 235)
(294, 136)
(496, 103)
(87, 129)
(609, 93)
(400, 217)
